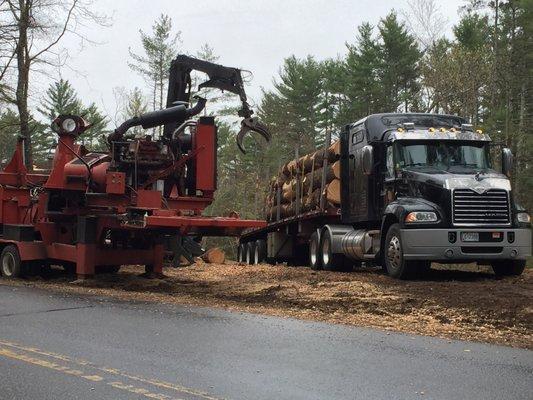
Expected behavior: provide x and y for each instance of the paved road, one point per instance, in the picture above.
(65, 347)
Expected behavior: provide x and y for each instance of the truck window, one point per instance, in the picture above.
(390, 163)
(358, 136)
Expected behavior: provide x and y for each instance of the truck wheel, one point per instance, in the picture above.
(397, 266)
(10, 264)
(259, 252)
(250, 250)
(315, 257)
(241, 252)
(330, 261)
(509, 267)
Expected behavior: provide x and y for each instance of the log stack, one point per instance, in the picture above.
(302, 178)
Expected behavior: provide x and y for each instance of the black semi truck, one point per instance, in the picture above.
(415, 189)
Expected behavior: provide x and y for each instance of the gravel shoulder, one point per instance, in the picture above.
(470, 303)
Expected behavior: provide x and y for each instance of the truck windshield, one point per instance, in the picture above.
(443, 155)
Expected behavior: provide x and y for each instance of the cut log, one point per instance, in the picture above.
(214, 255)
(333, 191)
(312, 201)
(314, 179)
(334, 151)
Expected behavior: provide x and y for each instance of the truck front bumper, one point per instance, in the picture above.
(438, 244)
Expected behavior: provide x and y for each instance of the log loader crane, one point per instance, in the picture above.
(101, 210)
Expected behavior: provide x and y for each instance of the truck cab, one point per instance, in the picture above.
(426, 186)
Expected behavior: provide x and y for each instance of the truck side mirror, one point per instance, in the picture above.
(507, 161)
(368, 159)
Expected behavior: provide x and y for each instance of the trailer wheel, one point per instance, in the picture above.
(250, 250)
(331, 261)
(10, 264)
(259, 251)
(315, 257)
(241, 252)
(397, 266)
(509, 268)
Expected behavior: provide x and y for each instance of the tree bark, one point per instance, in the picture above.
(23, 66)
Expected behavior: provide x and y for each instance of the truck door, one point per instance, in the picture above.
(357, 192)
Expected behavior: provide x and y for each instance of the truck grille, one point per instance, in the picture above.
(489, 208)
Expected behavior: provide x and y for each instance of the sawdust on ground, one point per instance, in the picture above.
(470, 303)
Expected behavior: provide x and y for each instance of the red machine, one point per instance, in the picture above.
(131, 205)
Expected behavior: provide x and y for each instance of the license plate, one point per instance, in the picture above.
(470, 236)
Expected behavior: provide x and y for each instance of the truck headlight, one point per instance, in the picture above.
(421, 216)
(523, 218)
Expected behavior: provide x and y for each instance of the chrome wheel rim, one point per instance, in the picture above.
(8, 264)
(325, 252)
(394, 252)
(247, 255)
(240, 256)
(313, 250)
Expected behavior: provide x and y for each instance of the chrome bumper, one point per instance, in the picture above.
(434, 245)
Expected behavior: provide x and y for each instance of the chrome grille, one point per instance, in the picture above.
(489, 208)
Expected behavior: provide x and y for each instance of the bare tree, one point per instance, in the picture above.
(30, 34)
(425, 21)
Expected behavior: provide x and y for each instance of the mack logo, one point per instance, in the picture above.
(479, 189)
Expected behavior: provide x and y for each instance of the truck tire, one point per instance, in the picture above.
(241, 252)
(397, 266)
(250, 250)
(315, 257)
(331, 261)
(509, 267)
(10, 264)
(259, 252)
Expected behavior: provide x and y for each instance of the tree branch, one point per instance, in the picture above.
(58, 38)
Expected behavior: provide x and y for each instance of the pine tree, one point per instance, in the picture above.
(9, 130)
(362, 66)
(399, 71)
(62, 99)
(160, 48)
(94, 137)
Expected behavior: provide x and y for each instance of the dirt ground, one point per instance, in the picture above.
(470, 303)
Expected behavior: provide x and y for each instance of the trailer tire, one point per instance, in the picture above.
(397, 267)
(331, 261)
(509, 267)
(259, 251)
(315, 256)
(241, 252)
(10, 264)
(250, 250)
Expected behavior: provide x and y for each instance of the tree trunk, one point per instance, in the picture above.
(23, 67)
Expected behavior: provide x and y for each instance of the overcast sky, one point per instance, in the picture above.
(255, 35)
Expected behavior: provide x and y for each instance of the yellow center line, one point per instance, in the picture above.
(94, 378)
(84, 363)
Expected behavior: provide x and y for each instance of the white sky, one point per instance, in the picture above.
(255, 35)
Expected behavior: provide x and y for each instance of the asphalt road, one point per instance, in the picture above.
(63, 347)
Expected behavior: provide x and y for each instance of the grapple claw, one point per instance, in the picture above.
(251, 124)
